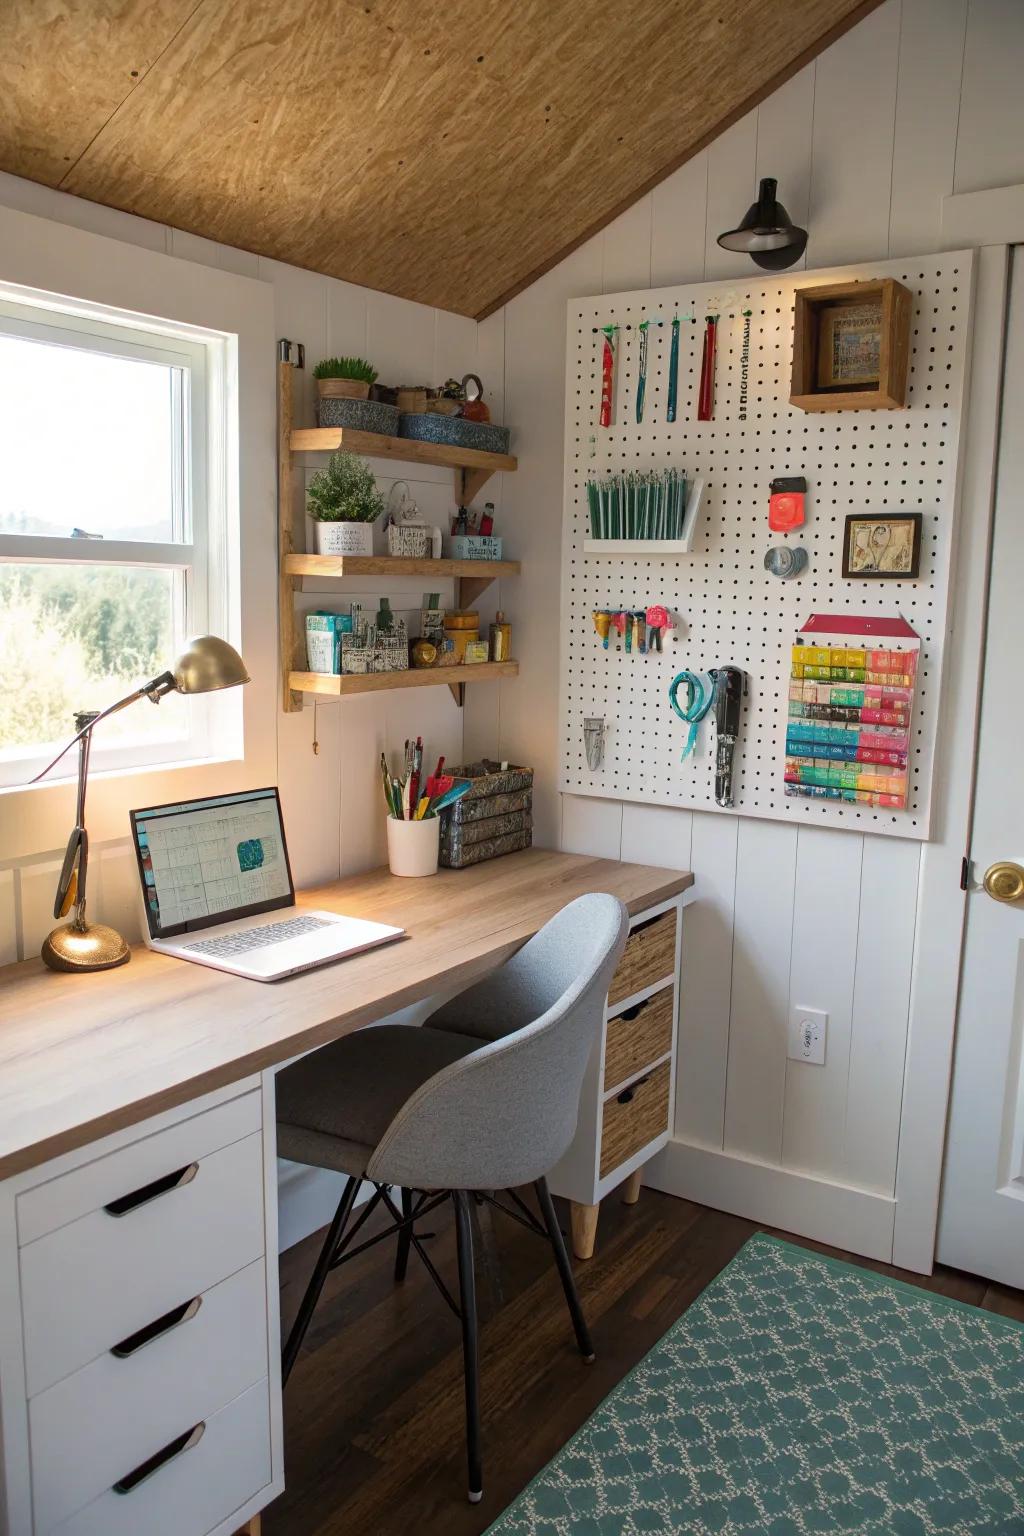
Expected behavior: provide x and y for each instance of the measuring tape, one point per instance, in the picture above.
(700, 697)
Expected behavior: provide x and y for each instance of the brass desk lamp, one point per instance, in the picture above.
(206, 665)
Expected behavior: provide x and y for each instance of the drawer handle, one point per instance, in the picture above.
(143, 1336)
(629, 1014)
(162, 1186)
(626, 1096)
(176, 1447)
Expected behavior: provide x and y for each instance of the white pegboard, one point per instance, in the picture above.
(729, 609)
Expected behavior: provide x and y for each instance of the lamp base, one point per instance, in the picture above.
(94, 947)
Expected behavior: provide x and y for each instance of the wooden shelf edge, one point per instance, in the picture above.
(332, 686)
(376, 446)
(395, 565)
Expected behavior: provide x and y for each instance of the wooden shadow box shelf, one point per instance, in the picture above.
(818, 312)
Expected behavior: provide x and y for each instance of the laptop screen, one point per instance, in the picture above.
(209, 861)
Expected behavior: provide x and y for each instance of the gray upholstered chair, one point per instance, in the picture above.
(459, 1112)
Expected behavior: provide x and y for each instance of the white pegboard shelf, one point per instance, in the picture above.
(729, 608)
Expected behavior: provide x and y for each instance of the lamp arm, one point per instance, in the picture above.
(154, 690)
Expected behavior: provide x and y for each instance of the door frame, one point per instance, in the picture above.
(992, 220)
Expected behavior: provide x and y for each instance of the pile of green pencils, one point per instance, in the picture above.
(638, 506)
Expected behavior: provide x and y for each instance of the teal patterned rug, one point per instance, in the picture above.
(801, 1395)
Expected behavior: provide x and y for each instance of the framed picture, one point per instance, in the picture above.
(850, 346)
(885, 547)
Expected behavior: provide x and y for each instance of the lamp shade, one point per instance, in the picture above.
(767, 234)
(206, 664)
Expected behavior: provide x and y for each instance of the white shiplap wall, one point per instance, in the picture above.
(920, 100)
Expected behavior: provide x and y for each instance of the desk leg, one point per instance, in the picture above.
(584, 1228)
(252, 1527)
(631, 1188)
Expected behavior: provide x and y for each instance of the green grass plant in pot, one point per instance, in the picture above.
(344, 502)
(344, 378)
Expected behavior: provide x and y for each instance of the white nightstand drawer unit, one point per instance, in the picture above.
(192, 1482)
(88, 1429)
(118, 1268)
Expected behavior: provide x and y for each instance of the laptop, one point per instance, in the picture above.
(213, 870)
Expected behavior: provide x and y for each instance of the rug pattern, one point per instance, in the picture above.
(800, 1396)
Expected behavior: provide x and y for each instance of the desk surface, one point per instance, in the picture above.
(81, 1056)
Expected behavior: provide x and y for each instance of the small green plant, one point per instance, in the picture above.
(346, 368)
(344, 492)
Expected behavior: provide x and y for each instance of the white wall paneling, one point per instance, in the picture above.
(729, 608)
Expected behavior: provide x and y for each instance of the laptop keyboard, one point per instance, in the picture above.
(257, 938)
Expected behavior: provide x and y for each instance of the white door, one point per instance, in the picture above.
(981, 1218)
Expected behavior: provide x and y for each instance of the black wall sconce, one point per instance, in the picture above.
(767, 233)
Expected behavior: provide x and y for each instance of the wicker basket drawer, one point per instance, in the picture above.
(637, 1038)
(650, 956)
(634, 1118)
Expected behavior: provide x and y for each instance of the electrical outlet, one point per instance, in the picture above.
(807, 1030)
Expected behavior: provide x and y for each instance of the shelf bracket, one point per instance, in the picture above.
(458, 693)
(469, 483)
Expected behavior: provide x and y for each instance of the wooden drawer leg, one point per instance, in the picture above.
(584, 1228)
(251, 1527)
(631, 1188)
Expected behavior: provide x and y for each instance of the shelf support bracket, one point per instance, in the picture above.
(458, 693)
(469, 483)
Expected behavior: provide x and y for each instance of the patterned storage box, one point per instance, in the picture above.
(408, 539)
(359, 416)
(428, 427)
(495, 817)
(475, 546)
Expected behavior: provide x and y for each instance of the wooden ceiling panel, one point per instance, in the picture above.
(66, 67)
(445, 150)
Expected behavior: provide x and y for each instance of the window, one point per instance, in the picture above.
(108, 533)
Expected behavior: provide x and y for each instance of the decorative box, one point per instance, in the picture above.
(428, 427)
(359, 416)
(409, 539)
(475, 546)
(495, 817)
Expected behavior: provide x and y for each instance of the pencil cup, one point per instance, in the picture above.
(413, 846)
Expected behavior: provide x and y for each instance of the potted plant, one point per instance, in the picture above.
(344, 378)
(344, 502)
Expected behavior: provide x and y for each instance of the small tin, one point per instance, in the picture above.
(475, 651)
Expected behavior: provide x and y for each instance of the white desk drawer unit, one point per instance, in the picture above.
(628, 1093)
(148, 1331)
(210, 1469)
(91, 1429)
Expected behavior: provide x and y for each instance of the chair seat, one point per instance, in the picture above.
(335, 1104)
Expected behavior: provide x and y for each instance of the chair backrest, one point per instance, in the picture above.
(505, 1114)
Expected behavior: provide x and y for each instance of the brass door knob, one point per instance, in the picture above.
(1004, 881)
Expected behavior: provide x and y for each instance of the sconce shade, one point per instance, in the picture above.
(767, 233)
(206, 664)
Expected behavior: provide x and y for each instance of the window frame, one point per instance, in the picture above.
(199, 559)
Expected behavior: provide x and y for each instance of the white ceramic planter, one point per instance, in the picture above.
(413, 846)
(344, 538)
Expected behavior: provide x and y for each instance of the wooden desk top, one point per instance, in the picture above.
(81, 1056)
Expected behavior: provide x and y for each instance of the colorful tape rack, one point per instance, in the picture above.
(848, 731)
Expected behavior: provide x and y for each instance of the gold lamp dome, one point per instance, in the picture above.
(206, 664)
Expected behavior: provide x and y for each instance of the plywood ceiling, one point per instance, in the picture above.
(445, 150)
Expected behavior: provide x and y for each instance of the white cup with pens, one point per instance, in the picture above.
(413, 805)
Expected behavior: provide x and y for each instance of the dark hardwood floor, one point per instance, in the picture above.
(373, 1410)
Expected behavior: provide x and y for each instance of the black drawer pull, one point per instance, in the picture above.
(162, 1186)
(146, 1469)
(627, 1094)
(143, 1336)
(629, 1014)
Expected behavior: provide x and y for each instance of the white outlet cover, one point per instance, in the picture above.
(808, 1028)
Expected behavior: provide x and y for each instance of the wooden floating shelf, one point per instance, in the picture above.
(332, 686)
(376, 446)
(396, 565)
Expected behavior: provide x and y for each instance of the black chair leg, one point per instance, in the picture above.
(404, 1237)
(470, 1341)
(579, 1322)
(316, 1280)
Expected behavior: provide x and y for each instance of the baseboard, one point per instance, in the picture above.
(852, 1219)
(307, 1198)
